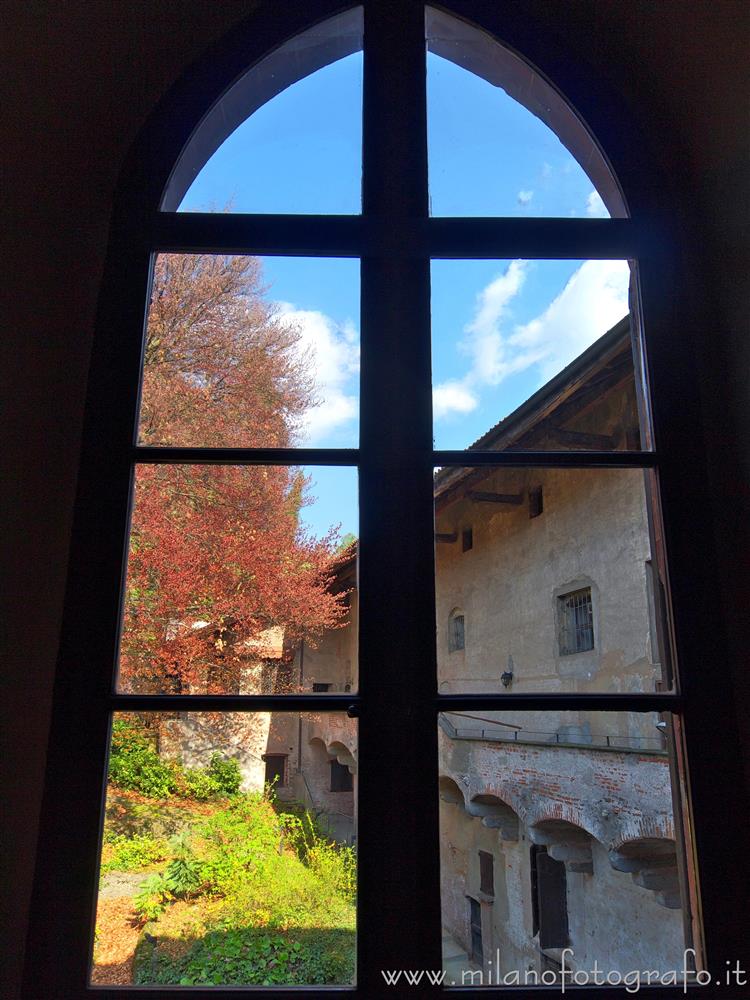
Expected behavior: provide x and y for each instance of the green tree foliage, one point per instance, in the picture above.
(135, 764)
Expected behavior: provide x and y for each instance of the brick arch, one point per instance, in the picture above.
(556, 813)
(505, 793)
(551, 821)
(343, 753)
(653, 836)
(451, 791)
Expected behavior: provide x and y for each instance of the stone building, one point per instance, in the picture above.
(557, 829)
(70, 128)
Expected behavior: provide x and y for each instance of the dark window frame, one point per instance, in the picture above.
(395, 240)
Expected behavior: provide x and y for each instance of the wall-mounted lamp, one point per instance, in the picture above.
(507, 678)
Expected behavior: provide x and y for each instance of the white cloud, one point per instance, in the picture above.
(595, 207)
(483, 341)
(452, 397)
(524, 197)
(592, 301)
(333, 351)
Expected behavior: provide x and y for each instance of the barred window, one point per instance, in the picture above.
(576, 622)
(456, 631)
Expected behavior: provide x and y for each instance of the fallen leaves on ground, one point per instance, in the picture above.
(117, 935)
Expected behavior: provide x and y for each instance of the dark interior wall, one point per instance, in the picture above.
(83, 76)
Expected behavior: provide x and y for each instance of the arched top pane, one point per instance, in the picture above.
(502, 140)
(287, 136)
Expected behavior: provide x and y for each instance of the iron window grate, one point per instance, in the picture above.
(456, 633)
(576, 622)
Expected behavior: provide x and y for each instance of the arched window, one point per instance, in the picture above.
(456, 631)
(400, 245)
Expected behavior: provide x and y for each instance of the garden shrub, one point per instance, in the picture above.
(130, 854)
(335, 866)
(134, 763)
(152, 897)
(225, 771)
(270, 900)
(196, 783)
(183, 876)
(183, 873)
(238, 840)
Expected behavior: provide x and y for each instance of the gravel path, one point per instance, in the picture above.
(118, 884)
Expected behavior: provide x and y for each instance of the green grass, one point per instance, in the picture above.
(239, 892)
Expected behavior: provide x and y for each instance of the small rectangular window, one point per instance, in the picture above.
(536, 502)
(576, 622)
(320, 686)
(456, 633)
(275, 769)
(467, 539)
(486, 873)
(341, 778)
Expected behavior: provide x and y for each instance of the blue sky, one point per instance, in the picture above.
(500, 328)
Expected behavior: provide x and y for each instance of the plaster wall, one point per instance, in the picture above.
(612, 921)
(336, 809)
(245, 736)
(593, 532)
(615, 797)
(332, 657)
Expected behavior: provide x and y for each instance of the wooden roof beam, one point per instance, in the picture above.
(513, 499)
(445, 537)
(584, 439)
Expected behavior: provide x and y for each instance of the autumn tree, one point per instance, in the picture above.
(217, 552)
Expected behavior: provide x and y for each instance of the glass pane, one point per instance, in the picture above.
(560, 854)
(287, 136)
(228, 851)
(250, 352)
(535, 354)
(557, 578)
(501, 140)
(240, 580)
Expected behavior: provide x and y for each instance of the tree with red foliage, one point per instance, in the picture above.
(217, 552)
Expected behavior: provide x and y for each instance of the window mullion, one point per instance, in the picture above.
(73, 791)
(498, 238)
(288, 235)
(399, 905)
(684, 493)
